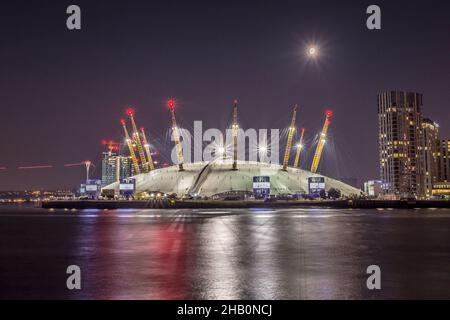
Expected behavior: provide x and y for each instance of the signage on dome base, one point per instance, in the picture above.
(316, 185)
(261, 186)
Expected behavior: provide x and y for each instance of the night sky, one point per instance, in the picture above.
(62, 92)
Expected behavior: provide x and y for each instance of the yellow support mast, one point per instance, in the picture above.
(176, 134)
(137, 139)
(137, 170)
(299, 149)
(322, 139)
(235, 134)
(289, 141)
(147, 150)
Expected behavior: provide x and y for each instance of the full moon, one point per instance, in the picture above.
(312, 51)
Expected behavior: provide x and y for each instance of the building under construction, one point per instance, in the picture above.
(227, 176)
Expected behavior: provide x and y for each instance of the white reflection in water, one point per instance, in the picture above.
(219, 273)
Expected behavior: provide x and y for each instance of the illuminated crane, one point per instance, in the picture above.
(88, 165)
(112, 146)
(137, 140)
(299, 149)
(322, 139)
(147, 150)
(171, 104)
(289, 141)
(235, 134)
(130, 148)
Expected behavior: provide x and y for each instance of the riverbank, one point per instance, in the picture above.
(244, 204)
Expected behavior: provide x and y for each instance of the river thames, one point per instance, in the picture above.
(224, 254)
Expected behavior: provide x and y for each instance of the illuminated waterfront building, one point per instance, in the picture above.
(216, 180)
(430, 155)
(400, 145)
(115, 168)
(373, 188)
(444, 161)
(441, 190)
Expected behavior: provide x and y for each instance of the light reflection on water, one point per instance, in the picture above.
(225, 254)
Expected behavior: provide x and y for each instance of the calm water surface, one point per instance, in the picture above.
(224, 254)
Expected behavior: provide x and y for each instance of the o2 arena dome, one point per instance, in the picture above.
(216, 178)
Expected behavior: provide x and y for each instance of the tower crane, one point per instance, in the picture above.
(88, 165)
(112, 145)
(289, 141)
(137, 140)
(235, 134)
(299, 149)
(322, 139)
(130, 148)
(147, 150)
(176, 134)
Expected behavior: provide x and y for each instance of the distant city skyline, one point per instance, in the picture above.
(63, 92)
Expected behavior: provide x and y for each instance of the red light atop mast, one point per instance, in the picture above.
(130, 112)
(329, 113)
(171, 104)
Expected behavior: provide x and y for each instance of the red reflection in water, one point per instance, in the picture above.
(129, 259)
(170, 249)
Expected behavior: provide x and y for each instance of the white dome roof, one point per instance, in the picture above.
(211, 178)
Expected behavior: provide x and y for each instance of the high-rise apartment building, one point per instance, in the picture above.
(444, 161)
(115, 168)
(400, 143)
(430, 158)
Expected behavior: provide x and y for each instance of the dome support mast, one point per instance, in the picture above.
(289, 140)
(320, 145)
